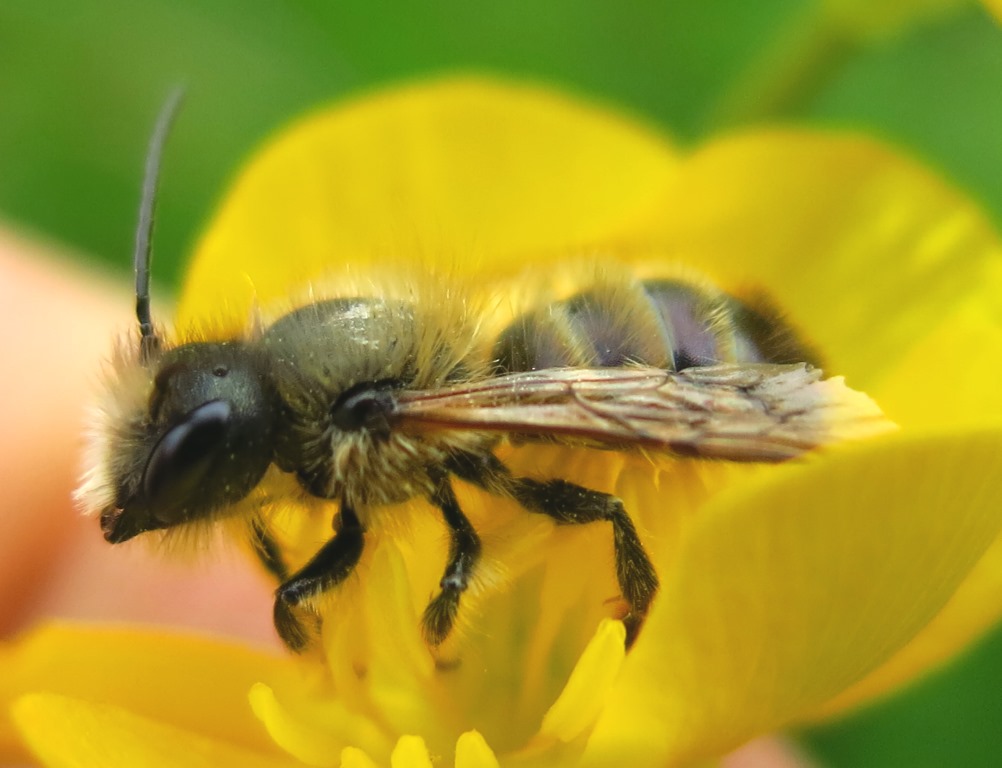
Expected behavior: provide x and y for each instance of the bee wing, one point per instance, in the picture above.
(754, 412)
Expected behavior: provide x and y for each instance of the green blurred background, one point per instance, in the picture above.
(81, 82)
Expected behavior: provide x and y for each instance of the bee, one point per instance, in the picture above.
(367, 400)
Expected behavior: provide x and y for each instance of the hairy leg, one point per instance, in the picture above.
(328, 567)
(464, 551)
(571, 504)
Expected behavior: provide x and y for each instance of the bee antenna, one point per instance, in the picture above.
(142, 256)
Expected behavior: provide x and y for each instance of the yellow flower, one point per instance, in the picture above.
(788, 592)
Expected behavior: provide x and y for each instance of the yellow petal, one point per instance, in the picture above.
(473, 752)
(865, 251)
(398, 666)
(12, 750)
(455, 172)
(355, 758)
(960, 389)
(790, 590)
(410, 752)
(950, 378)
(316, 729)
(589, 684)
(196, 684)
(973, 610)
(64, 732)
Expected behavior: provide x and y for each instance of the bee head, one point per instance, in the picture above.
(185, 431)
(203, 443)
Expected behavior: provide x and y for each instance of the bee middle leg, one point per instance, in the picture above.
(328, 567)
(464, 551)
(571, 504)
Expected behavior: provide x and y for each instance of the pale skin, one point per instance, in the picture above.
(57, 323)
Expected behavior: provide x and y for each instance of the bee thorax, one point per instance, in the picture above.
(370, 470)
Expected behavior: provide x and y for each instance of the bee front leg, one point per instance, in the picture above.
(464, 551)
(328, 567)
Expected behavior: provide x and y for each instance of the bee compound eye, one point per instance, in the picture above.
(182, 458)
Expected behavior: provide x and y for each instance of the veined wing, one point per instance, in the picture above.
(747, 412)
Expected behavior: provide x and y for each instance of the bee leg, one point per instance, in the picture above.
(464, 551)
(328, 567)
(572, 504)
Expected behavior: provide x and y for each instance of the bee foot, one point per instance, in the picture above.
(440, 616)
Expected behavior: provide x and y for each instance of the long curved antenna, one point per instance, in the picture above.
(142, 256)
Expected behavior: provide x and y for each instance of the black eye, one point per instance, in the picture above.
(181, 459)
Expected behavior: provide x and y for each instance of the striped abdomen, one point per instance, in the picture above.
(667, 323)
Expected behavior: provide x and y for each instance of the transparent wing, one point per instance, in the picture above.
(737, 412)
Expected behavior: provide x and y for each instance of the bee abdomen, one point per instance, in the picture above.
(666, 323)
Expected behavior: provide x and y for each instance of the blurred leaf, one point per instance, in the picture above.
(951, 718)
(881, 18)
(80, 84)
(938, 93)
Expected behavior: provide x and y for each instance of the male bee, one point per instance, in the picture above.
(369, 400)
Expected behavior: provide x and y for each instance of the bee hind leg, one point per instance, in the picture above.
(328, 567)
(464, 551)
(571, 504)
